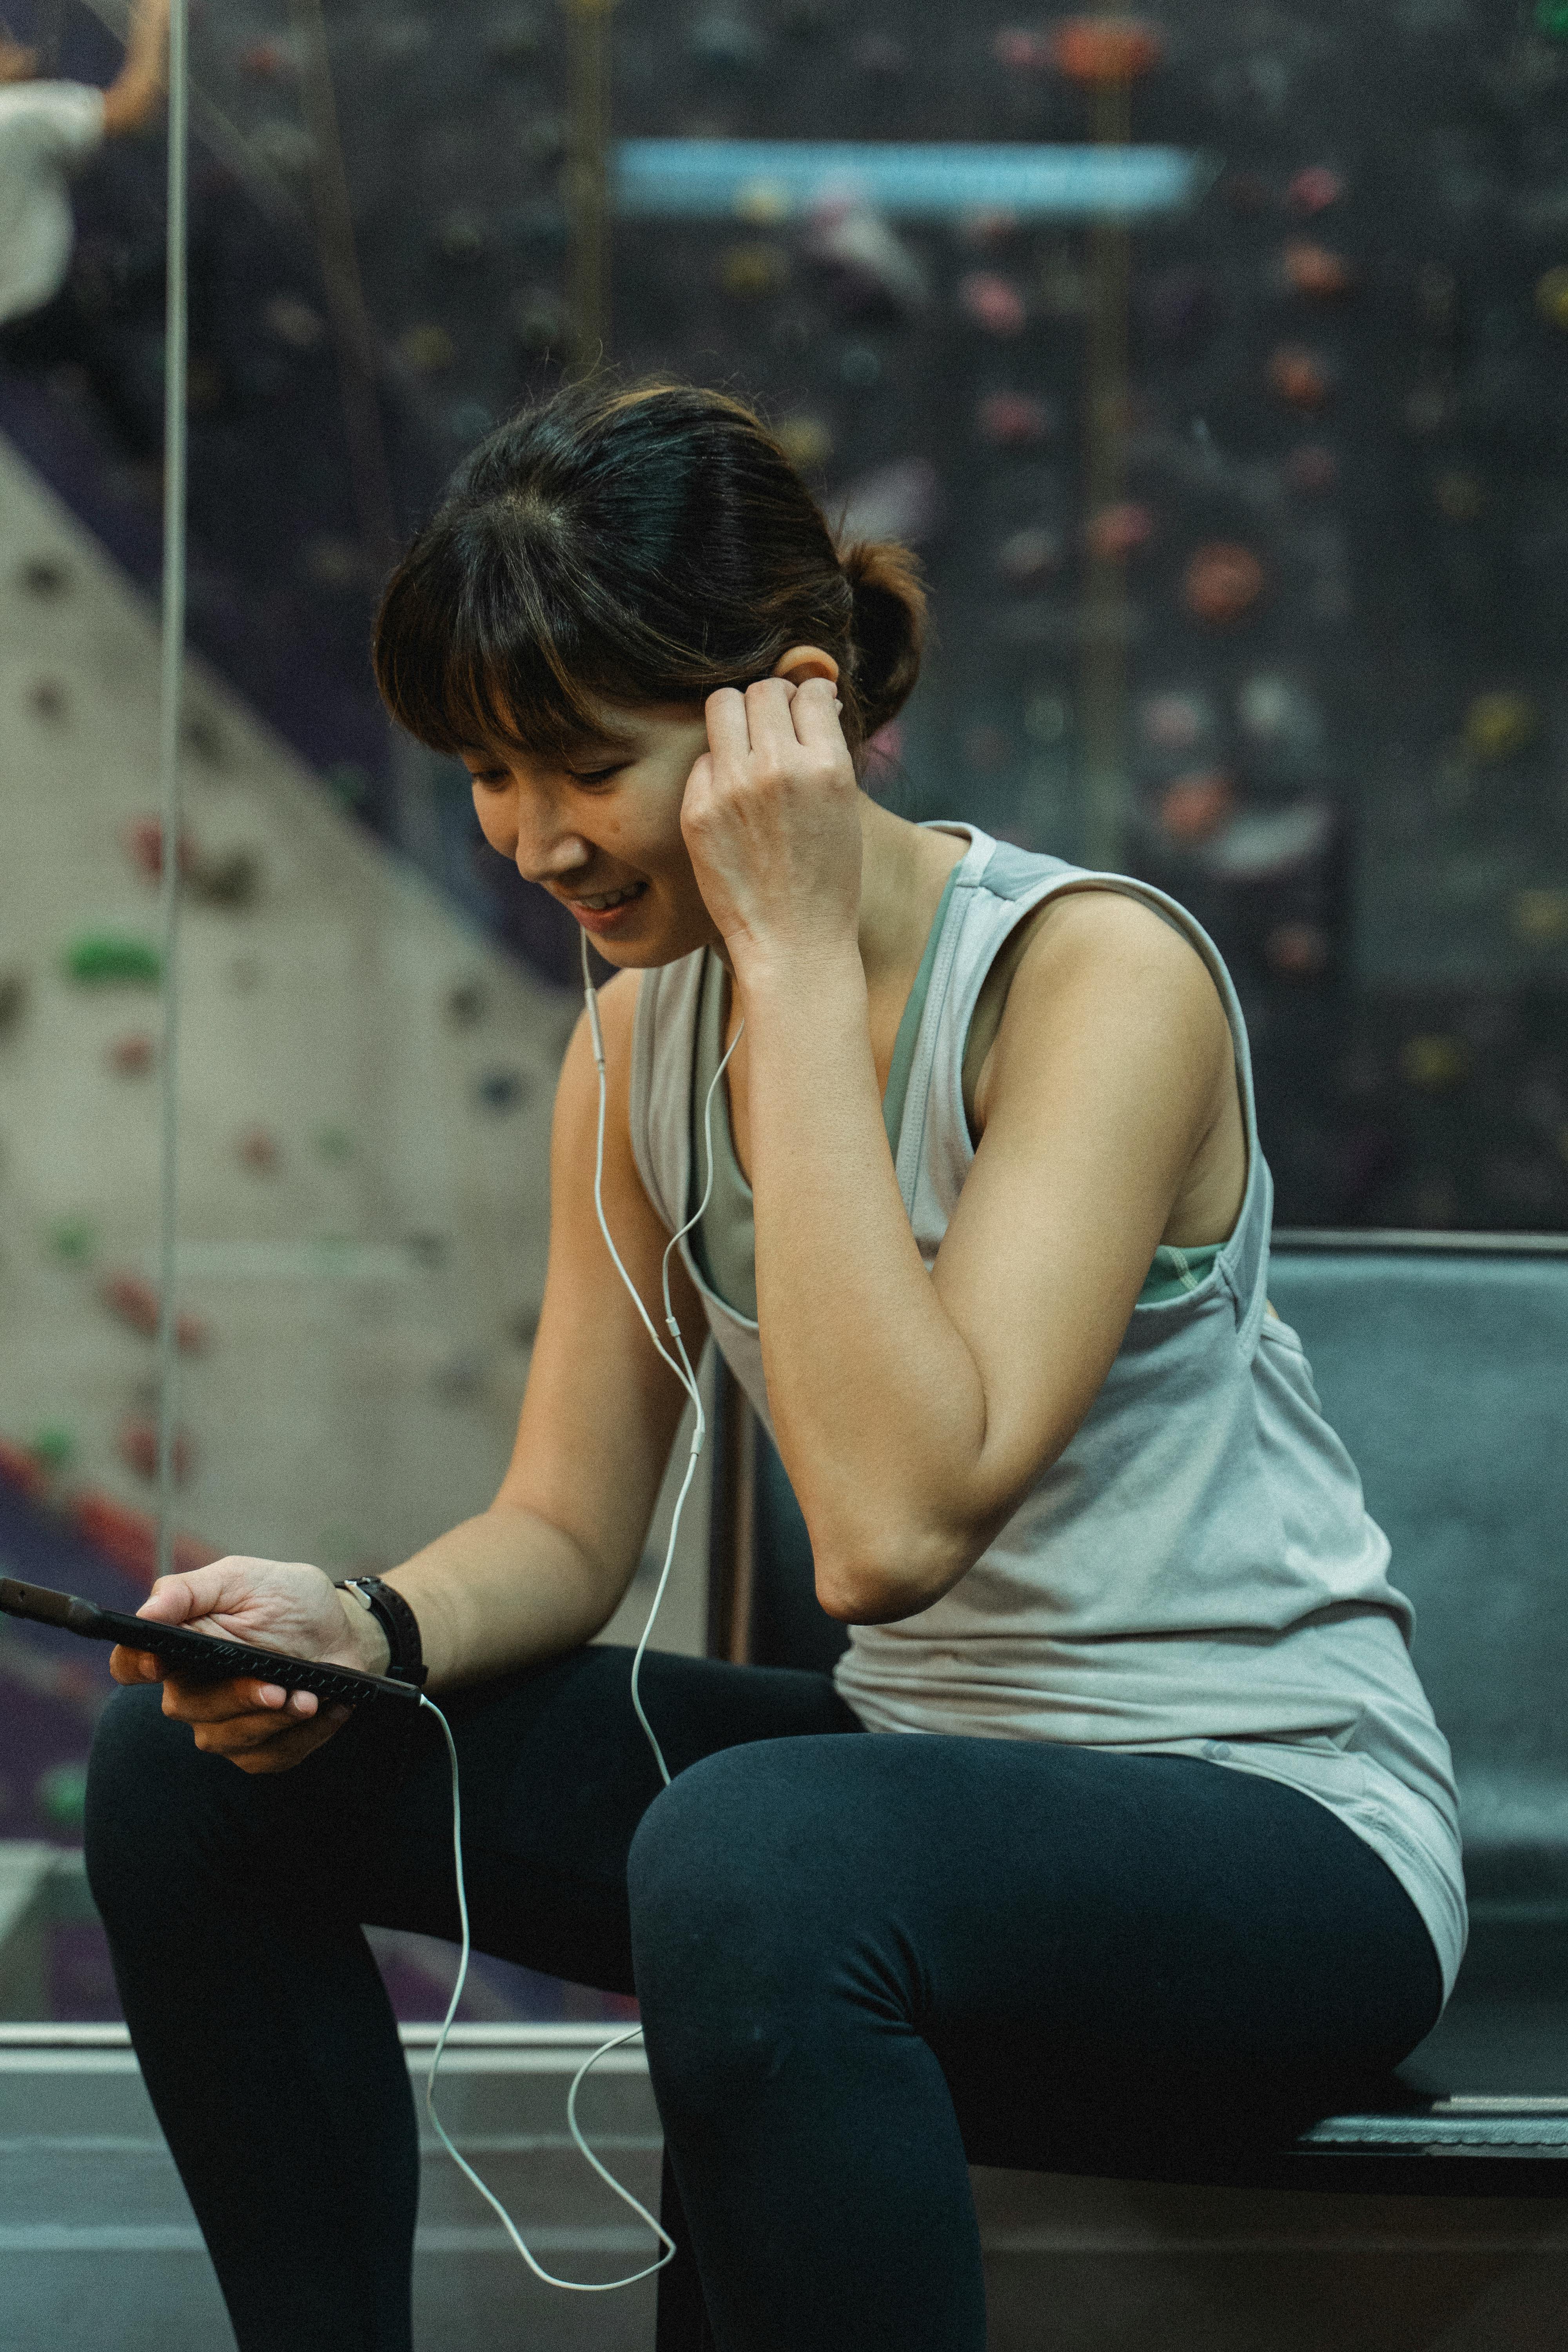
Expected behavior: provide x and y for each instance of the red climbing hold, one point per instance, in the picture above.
(1196, 806)
(23, 1471)
(133, 1056)
(1314, 190)
(992, 302)
(138, 1449)
(1119, 530)
(135, 1301)
(1299, 376)
(1222, 582)
(1014, 420)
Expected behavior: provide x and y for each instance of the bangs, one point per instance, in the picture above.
(481, 641)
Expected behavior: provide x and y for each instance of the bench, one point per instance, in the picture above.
(1442, 1361)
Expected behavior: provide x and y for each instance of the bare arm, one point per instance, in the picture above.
(914, 1410)
(546, 1565)
(136, 95)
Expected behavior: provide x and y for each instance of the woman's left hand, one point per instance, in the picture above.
(771, 818)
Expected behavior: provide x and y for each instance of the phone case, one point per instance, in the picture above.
(201, 1657)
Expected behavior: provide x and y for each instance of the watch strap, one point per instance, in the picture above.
(406, 1660)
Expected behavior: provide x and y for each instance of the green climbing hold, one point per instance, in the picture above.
(60, 1795)
(349, 783)
(1552, 18)
(54, 1446)
(99, 957)
(73, 1239)
(334, 1143)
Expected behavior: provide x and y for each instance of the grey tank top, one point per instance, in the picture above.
(1196, 1574)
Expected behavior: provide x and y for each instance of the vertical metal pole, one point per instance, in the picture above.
(1104, 673)
(588, 183)
(175, 344)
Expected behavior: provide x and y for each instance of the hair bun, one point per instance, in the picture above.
(890, 626)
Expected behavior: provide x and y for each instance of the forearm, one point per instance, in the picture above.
(137, 93)
(876, 1398)
(498, 1592)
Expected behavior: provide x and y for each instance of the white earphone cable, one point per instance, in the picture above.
(688, 1379)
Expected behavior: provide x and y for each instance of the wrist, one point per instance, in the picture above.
(371, 1652)
(810, 974)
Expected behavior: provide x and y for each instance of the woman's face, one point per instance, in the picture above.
(599, 828)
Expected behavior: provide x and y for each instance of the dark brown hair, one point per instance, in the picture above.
(632, 544)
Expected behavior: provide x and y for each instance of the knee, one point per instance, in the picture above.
(729, 1949)
(139, 1796)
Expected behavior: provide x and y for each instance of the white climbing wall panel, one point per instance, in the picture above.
(368, 1296)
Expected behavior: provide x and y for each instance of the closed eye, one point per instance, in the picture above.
(593, 775)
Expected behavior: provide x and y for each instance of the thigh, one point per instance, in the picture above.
(1071, 1931)
(554, 1772)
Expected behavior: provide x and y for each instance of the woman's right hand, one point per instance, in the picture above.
(285, 1606)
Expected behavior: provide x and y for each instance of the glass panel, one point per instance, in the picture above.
(1214, 368)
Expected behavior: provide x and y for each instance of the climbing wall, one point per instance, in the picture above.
(365, 1091)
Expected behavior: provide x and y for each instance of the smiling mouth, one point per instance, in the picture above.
(602, 904)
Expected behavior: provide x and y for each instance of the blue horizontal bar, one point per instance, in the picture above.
(759, 179)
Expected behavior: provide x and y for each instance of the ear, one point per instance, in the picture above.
(802, 662)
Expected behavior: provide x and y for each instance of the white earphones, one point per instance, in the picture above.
(688, 1379)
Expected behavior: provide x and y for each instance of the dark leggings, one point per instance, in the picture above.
(860, 1958)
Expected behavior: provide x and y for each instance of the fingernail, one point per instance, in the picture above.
(273, 1695)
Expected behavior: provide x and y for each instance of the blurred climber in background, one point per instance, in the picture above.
(47, 129)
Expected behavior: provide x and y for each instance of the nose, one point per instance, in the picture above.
(546, 849)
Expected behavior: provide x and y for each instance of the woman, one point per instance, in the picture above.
(988, 1247)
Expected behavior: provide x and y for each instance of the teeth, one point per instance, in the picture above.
(610, 898)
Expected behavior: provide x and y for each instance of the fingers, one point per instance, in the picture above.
(729, 738)
(815, 716)
(215, 1702)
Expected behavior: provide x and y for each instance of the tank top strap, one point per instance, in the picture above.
(995, 886)
(663, 1032)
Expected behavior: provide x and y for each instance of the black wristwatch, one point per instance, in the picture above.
(406, 1663)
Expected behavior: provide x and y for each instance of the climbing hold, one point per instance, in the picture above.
(1222, 582)
(132, 1055)
(504, 1090)
(1314, 270)
(333, 561)
(1431, 408)
(1314, 190)
(137, 1446)
(1461, 496)
(54, 1446)
(130, 1538)
(1299, 376)
(45, 577)
(1297, 951)
(286, 146)
(1552, 18)
(144, 839)
(135, 1301)
(1499, 726)
(859, 367)
(107, 958)
(1014, 420)
(47, 698)
(21, 1470)
(73, 1239)
(13, 1001)
(1196, 806)
(1028, 556)
(427, 350)
(806, 441)
(467, 1003)
(1118, 531)
(749, 271)
(1174, 723)
(294, 321)
(1540, 917)
(722, 39)
(60, 1796)
(1552, 298)
(348, 783)
(901, 501)
(867, 264)
(992, 302)
(1435, 1064)
(1046, 718)
(333, 1144)
(258, 1150)
(1312, 468)
(427, 1249)
(1101, 51)
(462, 237)
(232, 880)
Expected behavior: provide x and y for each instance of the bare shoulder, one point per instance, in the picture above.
(1097, 967)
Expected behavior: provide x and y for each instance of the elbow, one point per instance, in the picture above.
(865, 1587)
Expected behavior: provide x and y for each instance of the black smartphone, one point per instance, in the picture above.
(199, 1657)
